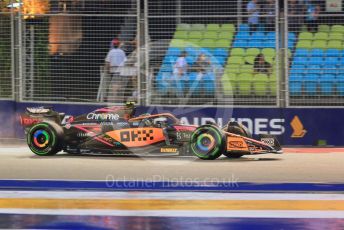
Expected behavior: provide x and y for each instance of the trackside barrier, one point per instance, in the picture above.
(292, 126)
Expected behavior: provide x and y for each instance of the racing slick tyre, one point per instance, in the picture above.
(207, 142)
(237, 128)
(44, 138)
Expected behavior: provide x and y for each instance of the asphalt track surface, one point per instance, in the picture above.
(296, 165)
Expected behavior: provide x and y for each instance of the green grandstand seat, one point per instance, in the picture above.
(223, 43)
(180, 34)
(246, 68)
(320, 36)
(245, 84)
(270, 59)
(195, 35)
(335, 44)
(306, 36)
(232, 68)
(273, 84)
(179, 43)
(306, 44)
(335, 36)
(210, 34)
(229, 83)
(183, 26)
(260, 84)
(235, 60)
(238, 52)
(320, 44)
(304, 28)
(273, 76)
(250, 59)
(229, 77)
(228, 27)
(213, 27)
(289, 53)
(269, 52)
(208, 43)
(324, 28)
(252, 52)
(193, 42)
(225, 35)
(197, 27)
(337, 28)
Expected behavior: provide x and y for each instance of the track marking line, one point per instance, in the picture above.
(155, 204)
(181, 213)
(167, 195)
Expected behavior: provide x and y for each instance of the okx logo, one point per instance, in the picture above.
(137, 135)
(298, 129)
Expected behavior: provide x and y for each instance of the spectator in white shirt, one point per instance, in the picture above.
(181, 65)
(253, 10)
(115, 59)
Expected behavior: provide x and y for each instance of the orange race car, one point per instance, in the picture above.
(116, 130)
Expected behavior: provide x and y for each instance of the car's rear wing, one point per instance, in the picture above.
(39, 110)
(34, 115)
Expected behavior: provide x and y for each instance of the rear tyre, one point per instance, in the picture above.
(43, 138)
(207, 142)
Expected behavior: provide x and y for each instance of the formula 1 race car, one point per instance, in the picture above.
(116, 130)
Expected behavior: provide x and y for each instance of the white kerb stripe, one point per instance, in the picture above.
(177, 213)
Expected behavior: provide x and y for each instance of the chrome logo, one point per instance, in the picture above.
(41, 138)
(205, 142)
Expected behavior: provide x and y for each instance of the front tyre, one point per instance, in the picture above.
(207, 142)
(43, 139)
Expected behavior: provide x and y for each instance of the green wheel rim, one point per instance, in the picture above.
(197, 145)
(41, 139)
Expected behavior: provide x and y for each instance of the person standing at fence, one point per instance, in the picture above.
(203, 67)
(202, 64)
(115, 59)
(295, 11)
(253, 9)
(132, 66)
(269, 13)
(312, 18)
(180, 68)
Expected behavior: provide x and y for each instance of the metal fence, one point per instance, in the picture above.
(213, 52)
(6, 64)
(178, 52)
(65, 51)
(315, 69)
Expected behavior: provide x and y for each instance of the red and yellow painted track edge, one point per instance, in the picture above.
(154, 204)
(314, 150)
